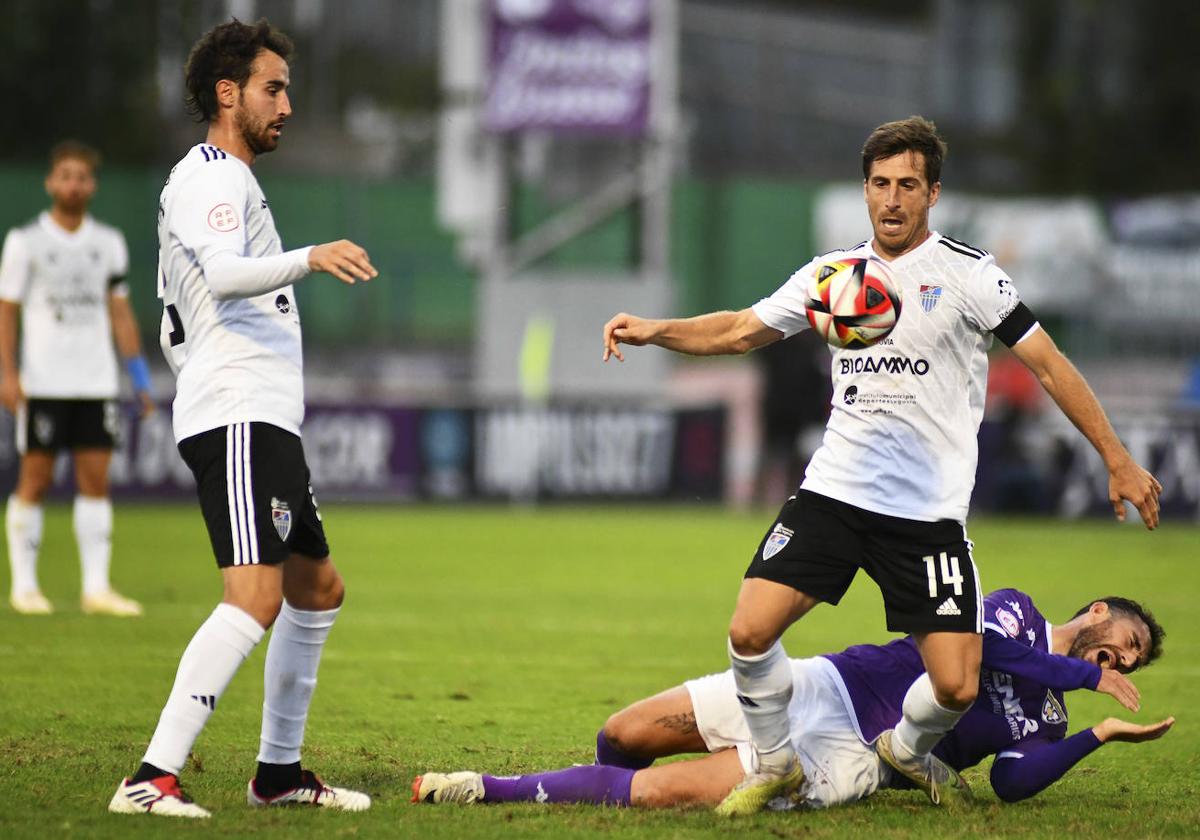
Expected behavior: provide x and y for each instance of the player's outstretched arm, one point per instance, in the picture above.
(1033, 764)
(1127, 481)
(344, 260)
(714, 334)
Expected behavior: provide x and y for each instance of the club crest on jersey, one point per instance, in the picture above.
(281, 518)
(283, 304)
(776, 541)
(930, 295)
(1009, 622)
(1052, 710)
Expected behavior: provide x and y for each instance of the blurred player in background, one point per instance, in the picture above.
(842, 702)
(63, 276)
(231, 332)
(889, 488)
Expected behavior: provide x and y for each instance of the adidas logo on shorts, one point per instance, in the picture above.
(948, 607)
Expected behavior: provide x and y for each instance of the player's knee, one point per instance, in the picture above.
(331, 593)
(959, 695)
(625, 732)
(749, 639)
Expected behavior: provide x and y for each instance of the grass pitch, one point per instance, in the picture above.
(499, 640)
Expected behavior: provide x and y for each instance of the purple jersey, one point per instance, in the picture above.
(1021, 683)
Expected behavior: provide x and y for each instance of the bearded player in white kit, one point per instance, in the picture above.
(231, 332)
(888, 490)
(62, 277)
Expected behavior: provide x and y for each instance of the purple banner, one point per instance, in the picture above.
(387, 453)
(569, 65)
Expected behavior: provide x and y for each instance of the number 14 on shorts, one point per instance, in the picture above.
(950, 574)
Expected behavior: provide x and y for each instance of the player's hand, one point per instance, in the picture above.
(11, 395)
(146, 405)
(626, 329)
(1130, 481)
(344, 260)
(1115, 729)
(1120, 688)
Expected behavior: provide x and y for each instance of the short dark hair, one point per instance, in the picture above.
(74, 150)
(915, 134)
(1132, 609)
(227, 51)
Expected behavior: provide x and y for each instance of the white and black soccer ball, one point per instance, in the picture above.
(853, 303)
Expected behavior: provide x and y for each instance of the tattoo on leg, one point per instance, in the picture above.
(685, 724)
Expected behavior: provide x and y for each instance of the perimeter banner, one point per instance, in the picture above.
(387, 453)
(578, 66)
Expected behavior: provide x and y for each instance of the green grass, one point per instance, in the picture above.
(499, 639)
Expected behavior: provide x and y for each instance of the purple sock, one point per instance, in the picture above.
(607, 754)
(592, 783)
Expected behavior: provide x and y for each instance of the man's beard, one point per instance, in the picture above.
(1090, 637)
(257, 138)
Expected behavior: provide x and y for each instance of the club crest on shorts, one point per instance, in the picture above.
(43, 427)
(281, 518)
(776, 541)
(1052, 710)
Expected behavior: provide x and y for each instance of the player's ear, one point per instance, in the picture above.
(1099, 609)
(227, 90)
(935, 192)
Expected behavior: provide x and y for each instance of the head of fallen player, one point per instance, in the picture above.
(238, 72)
(1118, 634)
(71, 179)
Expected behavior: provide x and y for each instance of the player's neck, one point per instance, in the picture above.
(225, 136)
(67, 220)
(1062, 636)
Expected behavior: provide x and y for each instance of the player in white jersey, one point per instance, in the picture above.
(231, 332)
(63, 277)
(889, 488)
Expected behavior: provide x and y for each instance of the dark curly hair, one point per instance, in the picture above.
(915, 134)
(227, 51)
(1132, 609)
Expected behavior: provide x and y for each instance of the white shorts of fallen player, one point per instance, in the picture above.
(838, 766)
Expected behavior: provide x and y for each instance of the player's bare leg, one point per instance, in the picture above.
(652, 728)
(93, 520)
(23, 521)
(932, 705)
(765, 609)
(312, 594)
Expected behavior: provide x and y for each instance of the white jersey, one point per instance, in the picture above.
(239, 359)
(62, 280)
(901, 437)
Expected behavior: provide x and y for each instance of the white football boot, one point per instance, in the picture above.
(312, 791)
(31, 603)
(110, 603)
(160, 796)
(463, 787)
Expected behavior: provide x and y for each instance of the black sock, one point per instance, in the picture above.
(147, 772)
(276, 778)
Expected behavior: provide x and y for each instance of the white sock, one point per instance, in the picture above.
(93, 519)
(23, 523)
(289, 678)
(211, 659)
(764, 686)
(924, 723)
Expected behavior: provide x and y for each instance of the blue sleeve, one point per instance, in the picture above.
(1062, 673)
(1033, 764)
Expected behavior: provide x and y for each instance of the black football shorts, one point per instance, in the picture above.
(924, 569)
(255, 494)
(51, 425)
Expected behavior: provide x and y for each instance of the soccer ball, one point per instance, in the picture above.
(853, 303)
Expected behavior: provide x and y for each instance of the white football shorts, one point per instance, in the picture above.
(838, 766)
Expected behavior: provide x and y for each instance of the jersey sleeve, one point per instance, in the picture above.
(14, 268)
(119, 268)
(209, 215)
(784, 310)
(994, 305)
(1061, 673)
(1033, 764)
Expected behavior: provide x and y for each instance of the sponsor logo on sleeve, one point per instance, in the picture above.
(223, 218)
